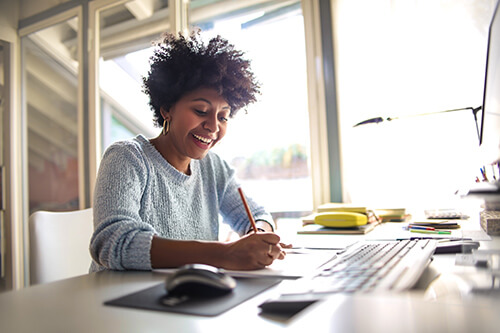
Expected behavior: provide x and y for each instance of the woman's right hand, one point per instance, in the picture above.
(253, 251)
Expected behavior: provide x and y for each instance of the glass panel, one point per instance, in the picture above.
(50, 74)
(269, 146)
(125, 39)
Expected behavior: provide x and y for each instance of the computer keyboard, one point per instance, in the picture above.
(366, 266)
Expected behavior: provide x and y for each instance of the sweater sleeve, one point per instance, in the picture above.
(121, 240)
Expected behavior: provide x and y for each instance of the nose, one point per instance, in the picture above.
(212, 124)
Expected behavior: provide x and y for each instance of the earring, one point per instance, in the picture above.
(166, 126)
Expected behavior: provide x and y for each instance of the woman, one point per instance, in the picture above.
(157, 202)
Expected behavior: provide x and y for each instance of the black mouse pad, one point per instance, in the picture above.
(153, 298)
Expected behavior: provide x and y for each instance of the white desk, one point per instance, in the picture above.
(76, 305)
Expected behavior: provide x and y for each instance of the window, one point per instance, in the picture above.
(398, 59)
(269, 145)
(124, 52)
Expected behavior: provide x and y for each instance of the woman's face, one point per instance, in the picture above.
(197, 122)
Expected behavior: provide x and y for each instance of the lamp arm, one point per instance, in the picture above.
(377, 120)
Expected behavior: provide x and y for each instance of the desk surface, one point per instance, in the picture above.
(76, 305)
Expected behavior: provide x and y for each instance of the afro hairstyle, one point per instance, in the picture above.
(182, 64)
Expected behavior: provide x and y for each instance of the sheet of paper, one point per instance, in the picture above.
(297, 263)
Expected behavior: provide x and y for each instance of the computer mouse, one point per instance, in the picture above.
(199, 280)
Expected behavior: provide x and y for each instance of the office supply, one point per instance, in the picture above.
(366, 266)
(435, 232)
(435, 224)
(436, 238)
(456, 246)
(490, 221)
(337, 208)
(392, 231)
(392, 214)
(247, 208)
(313, 229)
(416, 227)
(340, 219)
(295, 265)
(152, 299)
(445, 214)
(341, 207)
(198, 280)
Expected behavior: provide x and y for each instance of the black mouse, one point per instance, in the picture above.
(199, 280)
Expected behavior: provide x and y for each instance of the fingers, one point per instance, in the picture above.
(267, 254)
(272, 247)
(276, 251)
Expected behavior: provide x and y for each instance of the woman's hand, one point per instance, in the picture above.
(266, 227)
(253, 251)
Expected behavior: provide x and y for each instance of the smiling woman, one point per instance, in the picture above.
(157, 202)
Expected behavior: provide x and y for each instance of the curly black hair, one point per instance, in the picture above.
(180, 65)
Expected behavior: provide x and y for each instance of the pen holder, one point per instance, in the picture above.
(490, 222)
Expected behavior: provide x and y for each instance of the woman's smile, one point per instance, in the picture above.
(203, 142)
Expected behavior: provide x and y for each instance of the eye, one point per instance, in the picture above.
(200, 112)
(224, 119)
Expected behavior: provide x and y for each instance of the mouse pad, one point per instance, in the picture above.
(154, 298)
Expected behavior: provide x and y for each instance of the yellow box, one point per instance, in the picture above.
(341, 219)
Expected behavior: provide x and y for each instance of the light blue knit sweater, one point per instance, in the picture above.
(138, 194)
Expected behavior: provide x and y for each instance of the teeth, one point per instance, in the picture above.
(202, 139)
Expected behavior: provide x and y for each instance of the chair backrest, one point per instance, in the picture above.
(59, 244)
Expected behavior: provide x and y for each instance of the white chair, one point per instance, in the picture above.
(59, 244)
